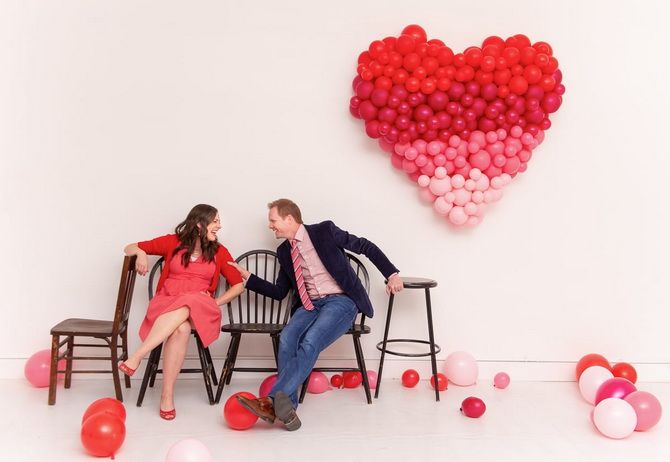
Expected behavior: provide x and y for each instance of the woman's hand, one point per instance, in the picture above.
(142, 263)
(230, 294)
(245, 274)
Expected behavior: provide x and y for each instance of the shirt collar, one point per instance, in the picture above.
(300, 233)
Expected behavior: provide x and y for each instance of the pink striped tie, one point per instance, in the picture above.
(299, 279)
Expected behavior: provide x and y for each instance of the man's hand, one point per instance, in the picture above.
(245, 274)
(394, 284)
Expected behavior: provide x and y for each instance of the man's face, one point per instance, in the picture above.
(282, 227)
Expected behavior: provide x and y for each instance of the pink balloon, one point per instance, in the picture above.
(266, 385)
(501, 380)
(614, 418)
(461, 368)
(372, 379)
(617, 387)
(37, 368)
(647, 409)
(318, 383)
(190, 450)
(458, 216)
(590, 381)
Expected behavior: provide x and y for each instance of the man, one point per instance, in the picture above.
(328, 298)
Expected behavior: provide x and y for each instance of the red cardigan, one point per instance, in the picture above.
(166, 245)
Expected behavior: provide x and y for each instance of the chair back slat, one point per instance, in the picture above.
(252, 307)
(125, 296)
(362, 274)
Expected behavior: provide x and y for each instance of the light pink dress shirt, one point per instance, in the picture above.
(318, 281)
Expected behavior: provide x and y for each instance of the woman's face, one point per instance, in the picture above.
(213, 228)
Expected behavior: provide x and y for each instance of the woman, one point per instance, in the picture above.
(184, 295)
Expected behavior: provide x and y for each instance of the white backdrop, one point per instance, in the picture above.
(117, 117)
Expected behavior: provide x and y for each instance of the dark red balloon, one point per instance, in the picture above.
(625, 371)
(441, 381)
(236, 416)
(473, 407)
(336, 381)
(352, 379)
(111, 405)
(592, 359)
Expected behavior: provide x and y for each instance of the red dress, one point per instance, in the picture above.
(190, 287)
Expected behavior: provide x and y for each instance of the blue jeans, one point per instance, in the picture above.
(306, 335)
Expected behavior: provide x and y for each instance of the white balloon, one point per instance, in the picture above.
(614, 418)
(591, 379)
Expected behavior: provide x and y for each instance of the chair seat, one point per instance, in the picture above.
(358, 329)
(79, 326)
(253, 328)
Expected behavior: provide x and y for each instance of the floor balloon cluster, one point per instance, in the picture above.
(461, 125)
(620, 408)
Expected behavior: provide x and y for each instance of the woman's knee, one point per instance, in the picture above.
(183, 330)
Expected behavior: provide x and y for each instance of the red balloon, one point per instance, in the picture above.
(441, 381)
(111, 405)
(589, 360)
(352, 379)
(416, 32)
(473, 407)
(410, 378)
(625, 371)
(337, 381)
(102, 434)
(236, 416)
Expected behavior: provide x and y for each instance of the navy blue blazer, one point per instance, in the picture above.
(329, 242)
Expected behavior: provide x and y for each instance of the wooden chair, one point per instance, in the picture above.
(206, 364)
(114, 334)
(253, 313)
(359, 328)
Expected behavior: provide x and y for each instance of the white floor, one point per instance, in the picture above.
(538, 421)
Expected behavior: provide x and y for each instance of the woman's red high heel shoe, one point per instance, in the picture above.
(168, 415)
(126, 370)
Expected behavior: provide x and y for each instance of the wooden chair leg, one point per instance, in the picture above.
(115, 370)
(154, 370)
(224, 371)
(210, 363)
(149, 372)
(303, 389)
(68, 361)
(53, 371)
(231, 365)
(275, 349)
(361, 365)
(205, 369)
(124, 355)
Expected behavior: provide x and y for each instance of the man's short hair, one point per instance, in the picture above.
(287, 207)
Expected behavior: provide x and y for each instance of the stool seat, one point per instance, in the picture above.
(418, 283)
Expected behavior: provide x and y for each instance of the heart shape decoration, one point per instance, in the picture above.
(462, 125)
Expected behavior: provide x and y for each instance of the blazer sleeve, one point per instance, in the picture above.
(230, 273)
(160, 245)
(361, 245)
(276, 291)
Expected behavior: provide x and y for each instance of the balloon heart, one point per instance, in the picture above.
(460, 125)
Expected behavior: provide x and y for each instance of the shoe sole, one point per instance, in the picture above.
(250, 409)
(285, 412)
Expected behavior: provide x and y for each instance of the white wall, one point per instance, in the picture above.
(117, 117)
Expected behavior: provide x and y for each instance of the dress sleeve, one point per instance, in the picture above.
(230, 273)
(159, 246)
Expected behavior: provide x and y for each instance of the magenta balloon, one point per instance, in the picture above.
(473, 407)
(404, 108)
(414, 99)
(479, 106)
(356, 81)
(558, 76)
(456, 90)
(472, 88)
(617, 387)
(379, 97)
(386, 114)
(559, 89)
(551, 102)
(444, 119)
(487, 125)
(422, 112)
(489, 92)
(403, 122)
(467, 100)
(364, 89)
(532, 104)
(372, 128)
(393, 101)
(438, 100)
(534, 117)
(535, 92)
(399, 91)
(367, 110)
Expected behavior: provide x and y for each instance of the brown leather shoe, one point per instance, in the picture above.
(262, 407)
